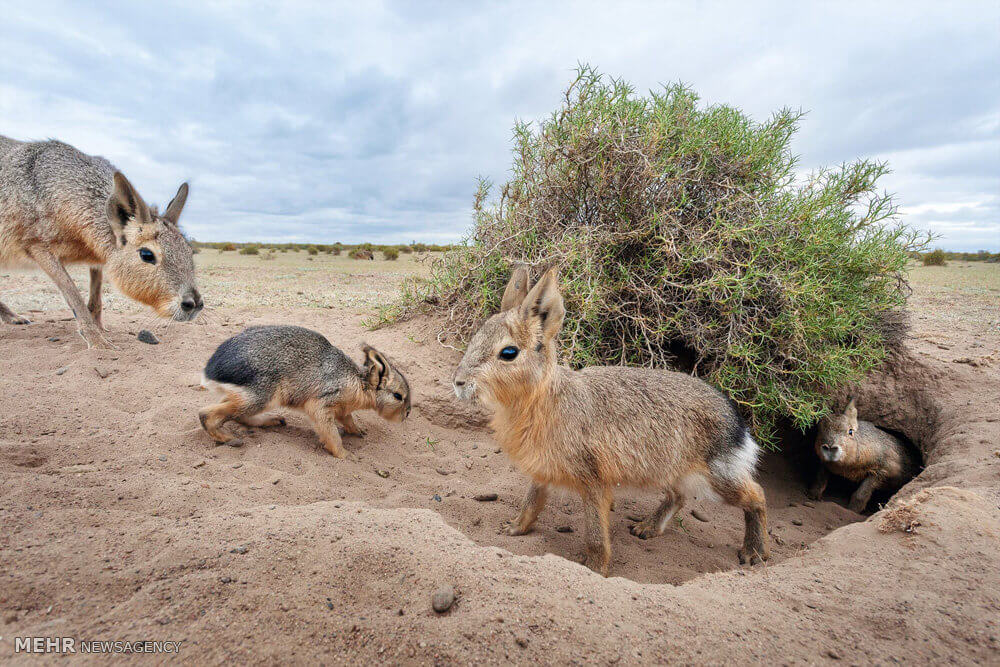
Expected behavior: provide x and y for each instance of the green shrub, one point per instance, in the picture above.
(419, 247)
(934, 258)
(361, 253)
(312, 250)
(269, 255)
(251, 249)
(684, 241)
(405, 249)
(227, 247)
(390, 254)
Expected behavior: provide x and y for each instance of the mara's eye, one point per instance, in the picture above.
(509, 353)
(850, 431)
(397, 396)
(146, 255)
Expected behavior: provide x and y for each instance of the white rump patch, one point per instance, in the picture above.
(221, 387)
(697, 487)
(739, 464)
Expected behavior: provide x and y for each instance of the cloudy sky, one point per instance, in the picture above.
(369, 121)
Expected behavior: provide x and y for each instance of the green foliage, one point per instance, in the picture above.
(312, 250)
(390, 254)
(934, 258)
(405, 249)
(227, 247)
(684, 240)
(251, 249)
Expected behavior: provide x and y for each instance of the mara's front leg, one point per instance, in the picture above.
(596, 507)
(863, 494)
(94, 303)
(350, 426)
(323, 418)
(532, 506)
(89, 329)
(819, 485)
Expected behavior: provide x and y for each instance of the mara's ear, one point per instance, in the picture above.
(545, 303)
(124, 205)
(377, 368)
(516, 289)
(851, 412)
(173, 212)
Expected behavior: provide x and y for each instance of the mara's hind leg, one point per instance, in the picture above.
(262, 420)
(236, 405)
(748, 496)
(656, 522)
(532, 506)
(10, 317)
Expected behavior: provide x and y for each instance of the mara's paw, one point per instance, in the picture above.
(643, 530)
(752, 556)
(233, 442)
(514, 528)
(17, 319)
(597, 563)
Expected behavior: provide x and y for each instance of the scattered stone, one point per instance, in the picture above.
(485, 497)
(10, 618)
(436, 497)
(329, 604)
(53, 339)
(199, 464)
(62, 370)
(497, 450)
(521, 641)
(148, 337)
(242, 549)
(101, 372)
(443, 471)
(833, 654)
(382, 473)
(698, 515)
(442, 599)
(564, 529)
(237, 465)
(235, 442)
(796, 522)
(162, 457)
(225, 580)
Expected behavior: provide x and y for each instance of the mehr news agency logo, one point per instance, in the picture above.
(72, 645)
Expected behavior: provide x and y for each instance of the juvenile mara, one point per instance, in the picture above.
(861, 452)
(284, 366)
(602, 427)
(59, 206)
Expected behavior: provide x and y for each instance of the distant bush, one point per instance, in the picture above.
(934, 258)
(269, 255)
(684, 241)
(251, 249)
(419, 247)
(359, 253)
(405, 249)
(312, 250)
(390, 254)
(227, 247)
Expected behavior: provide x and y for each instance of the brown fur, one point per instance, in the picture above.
(864, 453)
(602, 427)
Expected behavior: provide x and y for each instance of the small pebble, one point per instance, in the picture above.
(237, 465)
(485, 497)
(53, 339)
(382, 473)
(101, 372)
(833, 654)
(442, 471)
(442, 599)
(199, 464)
(521, 641)
(148, 337)
(10, 618)
(796, 522)
(564, 529)
(698, 515)
(225, 580)
(62, 370)
(242, 549)
(162, 457)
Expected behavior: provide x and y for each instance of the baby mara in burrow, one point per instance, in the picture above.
(603, 427)
(59, 206)
(267, 367)
(861, 452)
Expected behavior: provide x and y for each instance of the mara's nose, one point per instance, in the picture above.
(459, 383)
(192, 301)
(830, 448)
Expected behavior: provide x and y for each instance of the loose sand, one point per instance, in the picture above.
(119, 519)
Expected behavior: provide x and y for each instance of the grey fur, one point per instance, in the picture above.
(59, 206)
(290, 366)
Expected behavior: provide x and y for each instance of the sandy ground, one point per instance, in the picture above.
(120, 520)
